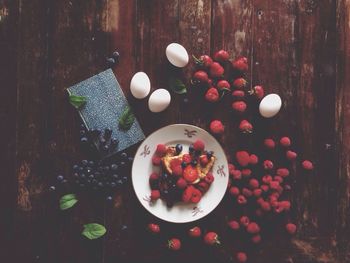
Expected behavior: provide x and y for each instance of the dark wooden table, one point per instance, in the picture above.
(299, 49)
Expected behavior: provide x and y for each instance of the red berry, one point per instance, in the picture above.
(209, 178)
(245, 126)
(236, 174)
(244, 220)
(161, 150)
(274, 185)
(177, 170)
(186, 158)
(257, 192)
(153, 228)
(242, 257)
(265, 206)
(291, 228)
(267, 179)
(212, 95)
(278, 179)
(223, 85)
(203, 159)
(285, 205)
(156, 160)
(268, 165)
(234, 191)
(234, 225)
(285, 142)
(253, 228)
(231, 167)
(246, 192)
(243, 158)
(283, 172)
(174, 163)
(240, 64)
(198, 145)
(291, 155)
(211, 238)
(190, 174)
(195, 232)
(181, 183)
(203, 186)
(265, 188)
(196, 196)
(238, 94)
(253, 159)
(256, 239)
(216, 70)
(258, 92)
(153, 177)
(240, 83)
(307, 165)
(241, 200)
(206, 60)
(253, 183)
(155, 195)
(239, 106)
(187, 194)
(174, 244)
(200, 76)
(246, 172)
(221, 56)
(216, 127)
(269, 143)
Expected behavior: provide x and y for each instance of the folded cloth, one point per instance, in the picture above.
(105, 104)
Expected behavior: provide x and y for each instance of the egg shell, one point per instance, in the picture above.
(140, 85)
(270, 105)
(177, 55)
(159, 100)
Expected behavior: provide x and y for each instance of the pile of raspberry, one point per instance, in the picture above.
(184, 183)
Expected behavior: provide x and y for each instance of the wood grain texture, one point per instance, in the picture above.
(297, 48)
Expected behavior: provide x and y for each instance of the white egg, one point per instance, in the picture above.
(270, 105)
(159, 100)
(140, 85)
(177, 55)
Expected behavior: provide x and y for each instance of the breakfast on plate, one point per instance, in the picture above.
(182, 176)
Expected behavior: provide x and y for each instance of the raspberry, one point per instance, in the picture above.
(239, 106)
(274, 185)
(153, 228)
(236, 175)
(156, 160)
(187, 194)
(234, 191)
(241, 257)
(177, 170)
(246, 192)
(291, 155)
(212, 95)
(268, 165)
(278, 209)
(253, 228)
(154, 177)
(161, 150)
(256, 239)
(267, 179)
(283, 172)
(243, 158)
(198, 145)
(196, 196)
(203, 159)
(241, 200)
(285, 142)
(265, 206)
(209, 178)
(269, 143)
(186, 158)
(195, 232)
(265, 188)
(307, 165)
(244, 220)
(234, 225)
(238, 94)
(285, 205)
(203, 186)
(257, 192)
(253, 183)
(253, 159)
(216, 127)
(155, 195)
(231, 167)
(181, 183)
(278, 179)
(246, 172)
(291, 228)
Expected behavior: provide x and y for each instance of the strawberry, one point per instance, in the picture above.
(181, 183)
(256, 239)
(238, 94)
(241, 200)
(258, 92)
(244, 220)
(240, 83)
(291, 155)
(285, 142)
(200, 76)
(216, 127)
(221, 55)
(234, 191)
(240, 64)
(161, 150)
(211, 238)
(253, 159)
(283, 172)
(190, 174)
(245, 127)
(177, 170)
(223, 85)
(187, 194)
(234, 225)
(246, 172)
(205, 61)
(195, 232)
(291, 228)
(268, 165)
(253, 183)
(307, 165)
(253, 228)
(203, 186)
(196, 196)
(155, 195)
(243, 158)
(156, 160)
(203, 159)
(153, 228)
(239, 106)
(186, 158)
(269, 143)
(241, 257)
(212, 95)
(236, 174)
(198, 145)
(216, 70)
(174, 244)
(209, 178)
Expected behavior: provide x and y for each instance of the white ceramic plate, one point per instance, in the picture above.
(142, 167)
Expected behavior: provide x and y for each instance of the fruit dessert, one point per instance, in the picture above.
(183, 176)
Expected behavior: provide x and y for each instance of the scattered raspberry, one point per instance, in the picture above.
(231, 167)
(174, 244)
(253, 228)
(257, 192)
(203, 186)
(265, 188)
(253, 183)
(241, 200)
(198, 145)
(268, 165)
(156, 160)
(216, 127)
(196, 196)
(267, 179)
(244, 220)
(240, 64)
(186, 158)
(221, 55)
(307, 165)
(246, 192)
(238, 94)
(187, 194)
(285, 205)
(234, 191)
(212, 95)
(155, 195)
(223, 85)
(209, 178)
(245, 127)
(246, 172)
(291, 228)
(177, 170)
(154, 177)
(253, 159)
(211, 238)
(278, 179)
(240, 83)
(161, 150)
(236, 174)
(153, 228)
(265, 206)
(181, 183)
(284, 172)
(256, 239)
(203, 159)
(243, 158)
(234, 225)
(285, 142)
(239, 106)
(242, 257)
(269, 143)
(291, 155)
(195, 232)
(216, 70)
(274, 185)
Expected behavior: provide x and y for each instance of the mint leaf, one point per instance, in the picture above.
(93, 230)
(77, 101)
(126, 119)
(177, 86)
(67, 201)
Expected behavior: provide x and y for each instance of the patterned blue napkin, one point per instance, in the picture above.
(105, 103)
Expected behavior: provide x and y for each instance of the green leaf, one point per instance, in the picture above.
(93, 231)
(177, 86)
(126, 119)
(67, 201)
(77, 101)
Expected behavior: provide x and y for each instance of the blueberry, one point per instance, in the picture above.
(82, 132)
(115, 176)
(124, 155)
(114, 167)
(194, 163)
(88, 170)
(81, 169)
(116, 55)
(52, 188)
(178, 148)
(125, 179)
(119, 182)
(84, 162)
(113, 184)
(210, 154)
(110, 62)
(114, 141)
(83, 139)
(75, 167)
(91, 163)
(105, 148)
(109, 199)
(165, 176)
(183, 164)
(60, 178)
(191, 149)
